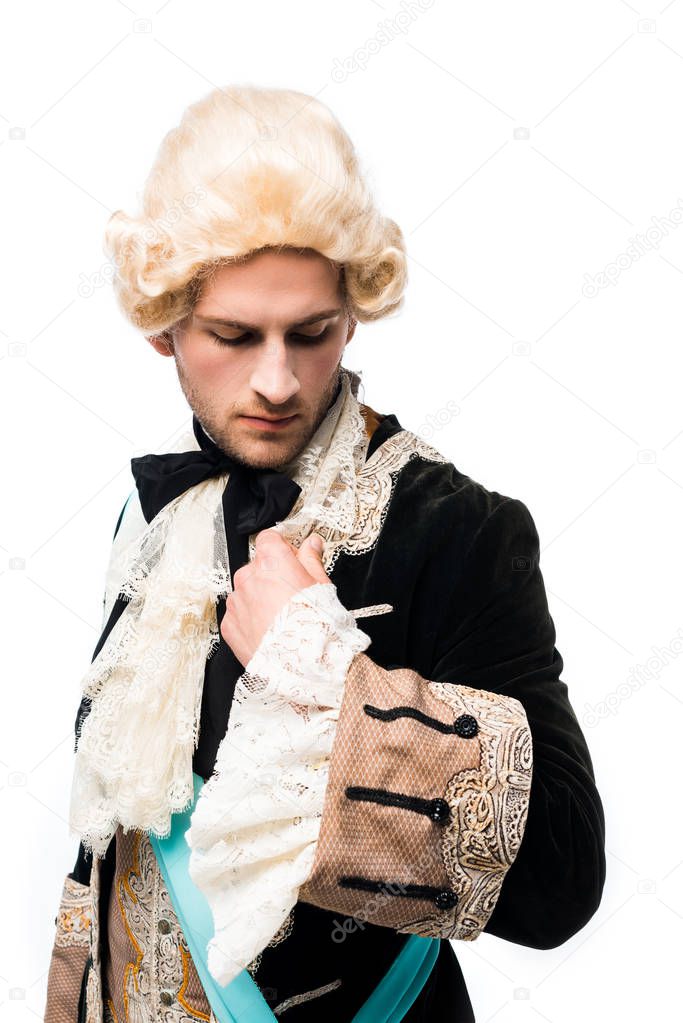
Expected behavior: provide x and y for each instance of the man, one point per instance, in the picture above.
(422, 775)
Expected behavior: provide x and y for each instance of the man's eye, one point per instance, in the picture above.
(228, 340)
(312, 338)
(305, 338)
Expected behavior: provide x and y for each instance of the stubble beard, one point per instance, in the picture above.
(282, 453)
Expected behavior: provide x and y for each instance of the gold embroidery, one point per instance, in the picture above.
(371, 419)
(163, 964)
(181, 994)
(74, 915)
(131, 968)
(155, 985)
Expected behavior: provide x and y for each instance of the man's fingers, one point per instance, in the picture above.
(273, 551)
(240, 576)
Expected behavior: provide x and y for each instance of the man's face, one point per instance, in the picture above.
(244, 352)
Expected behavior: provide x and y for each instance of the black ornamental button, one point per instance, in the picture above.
(164, 927)
(166, 998)
(440, 811)
(445, 899)
(466, 726)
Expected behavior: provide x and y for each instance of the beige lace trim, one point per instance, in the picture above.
(489, 807)
(74, 916)
(93, 990)
(305, 996)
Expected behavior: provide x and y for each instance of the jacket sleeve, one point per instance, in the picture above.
(466, 801)
(70, 952)
(497, 635)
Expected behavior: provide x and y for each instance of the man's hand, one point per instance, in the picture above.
(261, 588)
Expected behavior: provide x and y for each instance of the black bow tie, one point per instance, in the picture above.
(262, 497)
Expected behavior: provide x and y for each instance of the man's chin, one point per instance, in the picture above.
(269, 451)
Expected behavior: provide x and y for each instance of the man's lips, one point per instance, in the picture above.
(263, 423)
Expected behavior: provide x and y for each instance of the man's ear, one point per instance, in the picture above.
(162, 343)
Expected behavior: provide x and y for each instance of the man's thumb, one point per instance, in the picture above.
(316, 542)
(310, 553)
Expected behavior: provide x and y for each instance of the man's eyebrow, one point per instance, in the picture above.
(313, 318)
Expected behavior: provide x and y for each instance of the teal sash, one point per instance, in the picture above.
(241, 1001)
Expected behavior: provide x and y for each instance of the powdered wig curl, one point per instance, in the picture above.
(250, 168)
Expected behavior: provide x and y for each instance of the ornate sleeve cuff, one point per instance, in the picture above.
(426, 803)
(255, 826)
(69, 952)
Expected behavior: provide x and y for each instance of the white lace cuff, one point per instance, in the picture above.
(306, 652)
(256, 824)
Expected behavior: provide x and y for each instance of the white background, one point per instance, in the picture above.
(521, 147)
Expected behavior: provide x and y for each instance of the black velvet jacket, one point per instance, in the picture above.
(460, 565)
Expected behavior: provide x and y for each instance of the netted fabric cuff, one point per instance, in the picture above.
(426, 803)
(69, 953)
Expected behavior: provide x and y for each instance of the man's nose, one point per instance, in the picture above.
(273, 373)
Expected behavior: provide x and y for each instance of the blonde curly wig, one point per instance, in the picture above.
(250, 168)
